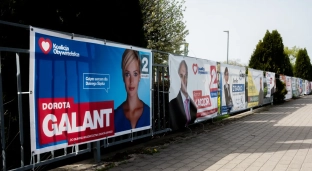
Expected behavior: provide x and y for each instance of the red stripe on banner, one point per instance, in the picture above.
(61, 119)
(200, 100)
(206, 113)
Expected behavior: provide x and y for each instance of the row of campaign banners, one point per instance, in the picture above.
(85, 90)
(194, 90)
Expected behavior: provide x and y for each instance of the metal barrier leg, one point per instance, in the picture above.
(97, 151)
(202, 125)
(38, 158)
(189, 129)
(52, 154)
(32, 160)
(2, 121)
(20, 109)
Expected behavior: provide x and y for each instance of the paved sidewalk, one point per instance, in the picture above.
(278, 138)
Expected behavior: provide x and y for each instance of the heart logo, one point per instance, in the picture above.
(195, 68)
(45, 45)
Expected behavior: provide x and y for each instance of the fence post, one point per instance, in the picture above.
(163, 95)
(20, 112)
(2, 121)
(97, 151)
(158, 106)
(153, 93)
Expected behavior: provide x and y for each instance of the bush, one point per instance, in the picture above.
(280, 93)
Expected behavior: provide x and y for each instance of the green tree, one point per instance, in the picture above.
(269, 55)
(292, 53)
(303, 65)
(235, 62)
(288, 67)
(117, 20)
(280, 93)
(163, 26)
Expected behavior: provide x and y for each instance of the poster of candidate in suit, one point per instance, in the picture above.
(232, 89)
(193, 91)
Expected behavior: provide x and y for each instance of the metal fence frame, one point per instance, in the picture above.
(159, 113)
(36, 160)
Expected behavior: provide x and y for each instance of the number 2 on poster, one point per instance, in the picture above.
(145, 64)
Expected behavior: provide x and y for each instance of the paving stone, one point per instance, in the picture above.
(279, 138)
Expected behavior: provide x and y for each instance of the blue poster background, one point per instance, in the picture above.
(58, 76)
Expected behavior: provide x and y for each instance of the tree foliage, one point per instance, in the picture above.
(124, 24)
(269, 55)
(292, 53)
(235, 62)
(118, 20)
(303, 66)
(280, 93)
(163, 26)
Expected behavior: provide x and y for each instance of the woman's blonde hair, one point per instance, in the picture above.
(128, 56)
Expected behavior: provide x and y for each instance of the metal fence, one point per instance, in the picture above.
(20, 102)
(17, 64)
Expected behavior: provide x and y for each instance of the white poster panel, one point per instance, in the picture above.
(301, 86)
(270, 84)
(232, 90)
(288, 88)
(193, 90)
(255, 87)
(287, 81)
(295, 86)
(307, 89)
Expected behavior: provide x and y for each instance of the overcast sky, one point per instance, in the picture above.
(247, 22)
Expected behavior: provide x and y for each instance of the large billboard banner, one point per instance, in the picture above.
(271, 84)
(255, 88)
(307, 87)
(295, 86)
(269, 87)
(301, 86)
(193, 90)
(232, 90)
(84, 90)
(287, 81)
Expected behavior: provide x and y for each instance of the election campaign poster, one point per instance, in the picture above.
(232, 89)
(287, 81)
(84, 90)
(307, 88)
(301, 86)
(255, 88)
(193, 90)
(295, 86)
(271, 83)
(269, 87)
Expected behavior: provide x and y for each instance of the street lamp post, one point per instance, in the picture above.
(227, 56)
(185, 48)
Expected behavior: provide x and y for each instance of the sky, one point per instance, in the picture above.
(247, 22)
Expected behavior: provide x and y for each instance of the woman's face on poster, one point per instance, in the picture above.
(132, 77)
